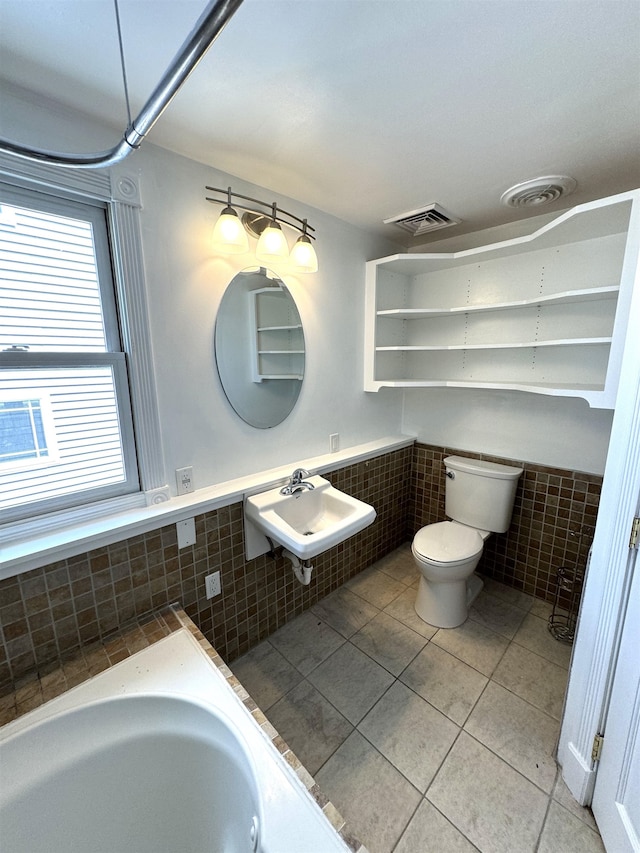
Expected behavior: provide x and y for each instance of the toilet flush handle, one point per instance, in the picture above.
(451, 475)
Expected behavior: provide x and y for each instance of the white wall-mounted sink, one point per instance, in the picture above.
(309, 521)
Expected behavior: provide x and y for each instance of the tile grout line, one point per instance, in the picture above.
(460, 728)
(526, 701)
(397, 679)
(544, 820)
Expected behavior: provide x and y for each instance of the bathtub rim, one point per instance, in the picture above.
(152, 665)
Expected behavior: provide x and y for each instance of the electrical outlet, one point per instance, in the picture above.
(184, 479)
(212, 585)
(334, 442)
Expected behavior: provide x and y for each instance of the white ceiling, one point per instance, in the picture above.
(363, 108)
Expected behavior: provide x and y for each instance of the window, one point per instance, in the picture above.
(27, 432)
(66, 434)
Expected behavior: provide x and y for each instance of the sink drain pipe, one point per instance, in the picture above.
(301, 569)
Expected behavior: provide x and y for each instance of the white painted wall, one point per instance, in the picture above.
(555, 431)
(186, 282)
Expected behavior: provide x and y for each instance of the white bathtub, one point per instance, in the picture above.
(156, 754)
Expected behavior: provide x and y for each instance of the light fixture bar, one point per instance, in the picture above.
(271, 212)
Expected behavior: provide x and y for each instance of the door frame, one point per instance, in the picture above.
(606, 588)
(615, 807)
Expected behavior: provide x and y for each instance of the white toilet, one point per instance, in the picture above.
(479, 500)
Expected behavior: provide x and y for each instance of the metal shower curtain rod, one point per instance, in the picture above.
(209, 26)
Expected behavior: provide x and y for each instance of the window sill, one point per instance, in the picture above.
(21, 553)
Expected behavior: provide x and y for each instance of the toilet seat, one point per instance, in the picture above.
(447, 543)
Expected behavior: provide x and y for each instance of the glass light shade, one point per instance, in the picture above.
(303, 255)
(229, 235)
(272, 245)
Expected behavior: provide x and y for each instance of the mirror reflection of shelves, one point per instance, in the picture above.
(277, 337)
(545, 313)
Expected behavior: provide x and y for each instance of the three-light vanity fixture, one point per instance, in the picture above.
(230, 232)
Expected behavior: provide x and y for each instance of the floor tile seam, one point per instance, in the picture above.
(313, 668)
(462, 660)
(388, 671)
(492, 680)
(579, 816)
(515, 769)
(406, 826)
(523, 610)
(544, 824)
(546, 659)
(329, 702)
(445, 756)
(552, 755)
(471, 710)
(371, 603)
(393, 674)
(366, 600)
(434, 707)
(406, 625)
(393, 578)
(499, 661)
(417, 654)
(497, 633)
(339, 712)
(400, 622)
(595, 832)
(335, 708)
(489, 628)
(391, 764)
(329, 757)
(317, 689)
(505, 602)
(384, 757)
(378, 609)
(448, 820)
(337, 630)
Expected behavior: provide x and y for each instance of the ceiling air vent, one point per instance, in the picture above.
(423, 221)
(538, 191)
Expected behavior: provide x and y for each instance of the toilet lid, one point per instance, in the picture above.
(446, 542)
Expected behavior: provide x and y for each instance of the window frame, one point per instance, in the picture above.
(119, 192)
(16, 360)
(50, 440)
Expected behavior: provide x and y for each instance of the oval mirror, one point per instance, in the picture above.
(259, 347)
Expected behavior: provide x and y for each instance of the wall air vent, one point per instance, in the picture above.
(423, 221)
(538, 191)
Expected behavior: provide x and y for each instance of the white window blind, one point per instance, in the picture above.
(50, 293)
(60, 344)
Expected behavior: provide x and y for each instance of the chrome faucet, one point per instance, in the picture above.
(296, 483)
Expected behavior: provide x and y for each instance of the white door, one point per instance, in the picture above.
(616, 797)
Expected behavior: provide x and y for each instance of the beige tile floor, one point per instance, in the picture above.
(427, 740)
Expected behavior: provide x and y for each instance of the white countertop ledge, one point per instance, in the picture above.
(27, 546)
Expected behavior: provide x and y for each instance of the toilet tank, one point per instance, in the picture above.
(480, 494)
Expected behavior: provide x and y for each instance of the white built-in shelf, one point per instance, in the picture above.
(557, 389)
(279, 328)
(568, 342)
(554, 299)
(277, 338)
(545, 313)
